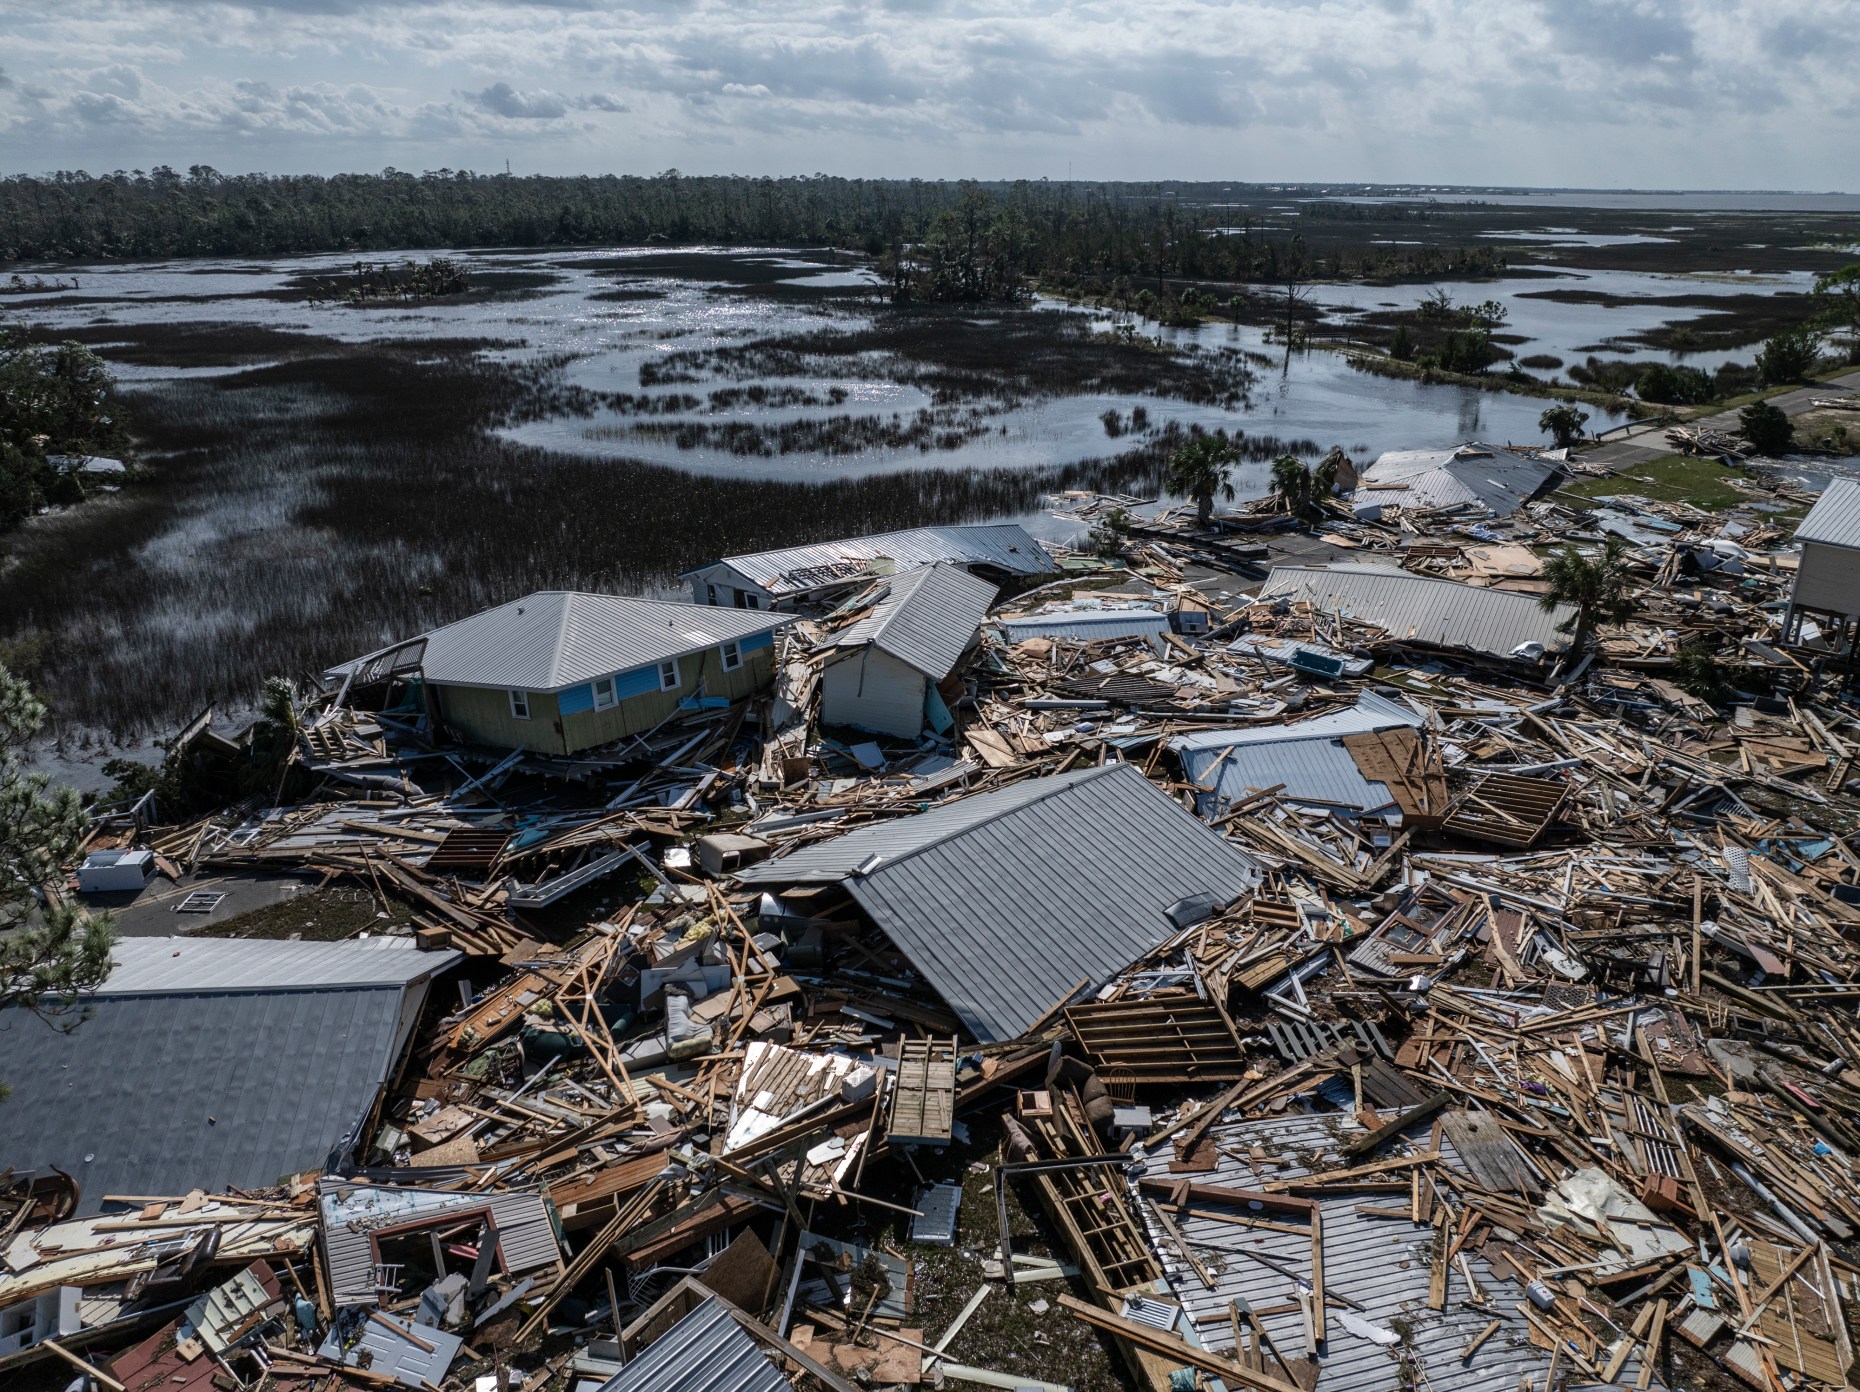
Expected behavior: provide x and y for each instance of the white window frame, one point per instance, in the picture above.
(519, 705)
(751, 600)
(670, 663)
(732, 653)
(610, 700)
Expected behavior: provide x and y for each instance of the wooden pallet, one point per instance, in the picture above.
(1158, 1039)
(923, 1104)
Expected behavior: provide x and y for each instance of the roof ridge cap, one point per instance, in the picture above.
(1073, 780)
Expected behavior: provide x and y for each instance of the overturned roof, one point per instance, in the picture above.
(1005, 546)
(1006, 900)
(262, 1065)
(1834, 520)
(1498, 480)
(1421, 609)
(1308, 758)
(555, 639)
(926, 618)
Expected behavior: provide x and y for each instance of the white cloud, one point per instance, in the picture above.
(1701, 93)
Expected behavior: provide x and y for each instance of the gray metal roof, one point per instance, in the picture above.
(1422, 609)
(798, 569)
(1834, 520)
(413, 1355)
(926, 619)
(706, 1351)
(555, 639)
(351, 1211)
(1006, 900)
(1087, 625)
(1307, 757)
(1380, 1263)
(144, 966)
(164, 1092)
(1498, 480)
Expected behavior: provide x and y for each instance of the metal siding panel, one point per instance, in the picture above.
(1501, 483)
(1828, 579)
(874, 692)
(1087, 625)
(575, 700)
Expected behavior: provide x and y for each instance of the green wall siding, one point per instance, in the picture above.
(481, 715)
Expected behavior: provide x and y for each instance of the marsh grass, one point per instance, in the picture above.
(311, 509)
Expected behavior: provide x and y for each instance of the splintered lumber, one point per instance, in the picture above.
(1146, 1336)
(1371, 1139)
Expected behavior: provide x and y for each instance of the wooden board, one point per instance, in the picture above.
(923, 1104)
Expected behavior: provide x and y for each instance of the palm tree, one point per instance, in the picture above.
(1598, 588)
(1293, 484)
(1198, 470)
(1563, 424)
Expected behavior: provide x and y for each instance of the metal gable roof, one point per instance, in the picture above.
(927, 619)
(145, 966)
(1498, 480)
(1308, 758)
(706, 1351)
(1005, 901)
(798, 569)
(1834, 520)
(556, 639)
(1423, 609)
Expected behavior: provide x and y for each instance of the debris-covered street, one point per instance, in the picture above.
(1400, 938)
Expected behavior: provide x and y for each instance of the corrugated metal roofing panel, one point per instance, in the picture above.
(1005, 901)
(926, 619)
(1422, 609)
(1834, 520)
(797, 569)
(555, 639)
(145, 966)
(1308, 757)
(706, 1351)
(1087, 625)
(162, 1093)
(1382, 1264)
(1498, 480)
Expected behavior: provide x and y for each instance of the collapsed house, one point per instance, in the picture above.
(1480, 479)
(213, 1062)
(885, 673)
(559, 672)
(1090, 868)
(1425, 612)
(1323, 992)
(1002, 553)
(1368, 759)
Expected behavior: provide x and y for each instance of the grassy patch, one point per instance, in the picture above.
(1384, 366)
(1673, 478)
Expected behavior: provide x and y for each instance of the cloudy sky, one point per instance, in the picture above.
(1602, 93)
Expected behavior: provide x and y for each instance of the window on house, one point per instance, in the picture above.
(668, 674)
(604, 693)
(747, 599)
(520, 705)
(732, 656)
(710, 594)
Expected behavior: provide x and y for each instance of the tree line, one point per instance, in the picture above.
(951, 239)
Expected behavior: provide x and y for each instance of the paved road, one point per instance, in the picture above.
(1639, 443)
